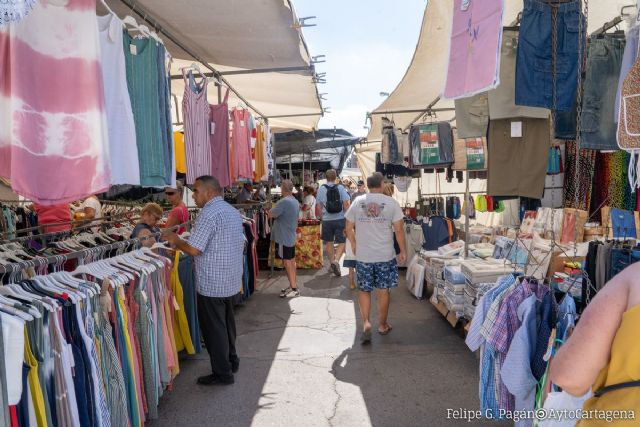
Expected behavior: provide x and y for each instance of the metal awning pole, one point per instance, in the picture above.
(466, 222)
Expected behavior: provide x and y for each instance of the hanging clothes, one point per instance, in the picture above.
(180, 154)
(219, 140)
(261, 173)
(164, 96)
(196, 127)
(123, 153)
(52, 111)
(141, 58)
(474, 60)
(241, 143)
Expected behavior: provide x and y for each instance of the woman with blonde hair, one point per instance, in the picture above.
(149, 216)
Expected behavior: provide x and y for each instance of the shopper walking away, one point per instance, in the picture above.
(361, 191)
(335, 201)
(602, 352)
(309, 203)
(285, 214)
(217, 245)
(372, 221)
(179, 214)
(298, 193)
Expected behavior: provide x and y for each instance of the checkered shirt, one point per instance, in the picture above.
(219, 235)
(503, 331)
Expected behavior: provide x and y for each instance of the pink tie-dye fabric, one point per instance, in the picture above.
(53, 134)
(474, 58)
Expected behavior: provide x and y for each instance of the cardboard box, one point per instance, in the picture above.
(557, 262)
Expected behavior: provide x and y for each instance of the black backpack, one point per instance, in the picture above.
(334, 200)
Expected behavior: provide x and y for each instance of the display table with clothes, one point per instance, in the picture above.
(308, 246)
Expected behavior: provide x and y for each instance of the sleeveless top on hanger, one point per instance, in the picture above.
(141, 57)
(123, 152)
(219, 138)
(629, 120)
(196, 127)
(241, 143)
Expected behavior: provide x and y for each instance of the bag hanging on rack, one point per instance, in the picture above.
(573, 220)
(622, 224)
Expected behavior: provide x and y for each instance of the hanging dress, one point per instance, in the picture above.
(241, 143)
(219, 117)
(52, 111)
(196, 127)
(123, 153)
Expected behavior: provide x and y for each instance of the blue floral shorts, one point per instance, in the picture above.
(377, 275)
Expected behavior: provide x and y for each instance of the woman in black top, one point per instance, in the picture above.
(149, 216)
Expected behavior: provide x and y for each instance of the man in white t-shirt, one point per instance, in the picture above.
(372, 221)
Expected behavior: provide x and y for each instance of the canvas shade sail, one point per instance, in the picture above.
(238, 35)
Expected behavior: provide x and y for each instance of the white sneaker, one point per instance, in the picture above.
(289, 292)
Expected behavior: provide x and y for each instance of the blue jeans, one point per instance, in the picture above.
(534, 68)
(603, 70)
(622, 258)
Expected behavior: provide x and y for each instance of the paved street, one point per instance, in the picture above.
(302, 365)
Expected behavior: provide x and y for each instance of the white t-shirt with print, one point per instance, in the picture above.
(373, 215)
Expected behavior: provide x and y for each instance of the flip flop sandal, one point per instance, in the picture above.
(385, 332)
(365, 338)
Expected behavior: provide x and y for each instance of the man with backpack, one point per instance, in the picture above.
(335, 201)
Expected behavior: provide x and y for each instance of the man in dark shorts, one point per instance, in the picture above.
(335, 201)
(285, 215)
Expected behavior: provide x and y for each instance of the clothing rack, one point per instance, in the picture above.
(72, 223)
(98, 250)
(68, 232)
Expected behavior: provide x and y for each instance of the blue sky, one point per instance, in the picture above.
(368, 46)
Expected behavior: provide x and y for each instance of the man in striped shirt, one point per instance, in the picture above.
(217, 245)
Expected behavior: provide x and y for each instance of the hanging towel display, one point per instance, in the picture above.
(431, 145)
(52, 111)
(469, 153)
(123, 153)
(474, 54)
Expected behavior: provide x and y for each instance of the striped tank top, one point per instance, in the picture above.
(196, 128)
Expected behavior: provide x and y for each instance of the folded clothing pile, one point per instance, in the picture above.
(482, 250)
(454, 284)
(484, 271)
(472, 294)
(502, 247)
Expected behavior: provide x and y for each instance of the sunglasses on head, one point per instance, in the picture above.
(170, 193)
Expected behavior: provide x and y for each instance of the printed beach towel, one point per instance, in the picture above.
(474, 55)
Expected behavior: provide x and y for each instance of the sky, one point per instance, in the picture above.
(368, 46)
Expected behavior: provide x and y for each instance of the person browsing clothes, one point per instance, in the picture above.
(179, 214)
(150, 215)
(285, 214)
(217, 245)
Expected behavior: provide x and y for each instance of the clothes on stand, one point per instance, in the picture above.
(578, 189)
(141, 55)
(241, 144)
(120, 325)
(197, 127)
(219, 140)
(518, 155)
(63, 133)
(474, 60)
(123, 154)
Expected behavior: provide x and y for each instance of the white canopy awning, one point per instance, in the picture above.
(423, 83)
(247, 38)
